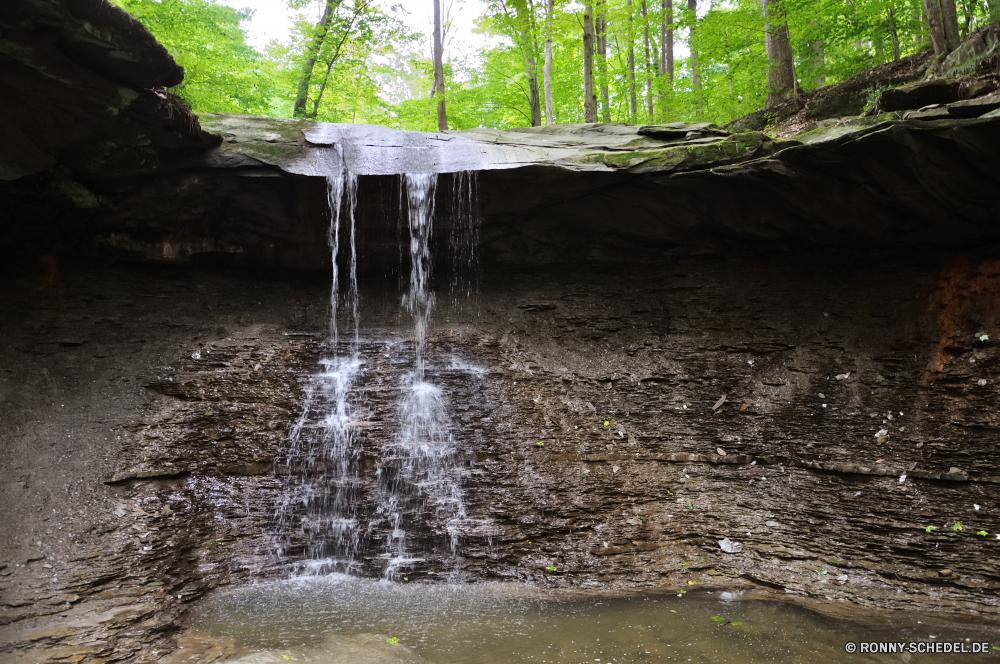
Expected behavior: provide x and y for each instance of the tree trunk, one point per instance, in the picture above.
(649, 79)
(533, 97)
(312, 50)
(949, 14)
(667, 51)
(894, 35)
(695, 78)
(529, 48)
(547, 67)
(589, 100)
(942, 23)
(780, 57)
(668, 41)
(601, 28)
(442, 114)
(633, 106)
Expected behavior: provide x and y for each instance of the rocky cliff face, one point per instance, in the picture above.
(681, 334)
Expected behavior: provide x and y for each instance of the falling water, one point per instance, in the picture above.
(324, 455)
(326, 511)
(419, 484)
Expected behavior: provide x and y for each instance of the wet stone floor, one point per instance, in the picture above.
(346, 619)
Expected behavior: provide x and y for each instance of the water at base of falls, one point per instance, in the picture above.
(329, 510)
(346, 619)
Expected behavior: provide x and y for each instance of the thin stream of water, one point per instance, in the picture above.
(323, 461)
(418, 474)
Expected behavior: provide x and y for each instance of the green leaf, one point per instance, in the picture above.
(930, 529)
(957, 526)
(392, 639)
(718, 619)
(539, 444)
(551, 568)
(982, 532)
(735, 624)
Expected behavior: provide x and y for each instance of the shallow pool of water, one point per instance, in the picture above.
(346, 619)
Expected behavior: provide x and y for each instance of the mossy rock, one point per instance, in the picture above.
(685, 156)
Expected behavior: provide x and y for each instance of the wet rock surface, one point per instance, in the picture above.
(171, 475)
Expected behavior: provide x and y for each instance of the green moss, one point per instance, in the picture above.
(686, 156)
(271, 152)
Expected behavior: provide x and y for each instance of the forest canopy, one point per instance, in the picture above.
(549, 61)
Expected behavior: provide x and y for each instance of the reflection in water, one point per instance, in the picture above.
(321, 619)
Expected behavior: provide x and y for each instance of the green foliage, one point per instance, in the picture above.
(957, 527)
(370, 68)
(551, 568)
(930, 529)
(392, 639)
(222, 74)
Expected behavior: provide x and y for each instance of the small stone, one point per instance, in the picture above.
(771, 524)
(945, 572)
(720, 451)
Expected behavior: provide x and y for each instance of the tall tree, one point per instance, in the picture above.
(695, 77)
(589, 100)
(667, 41)
(633, 105)
(942, 22)
(312, 49)
(667, 51)
(601, 29)
(649, 78)
(780, 56)
(442, 113)
(547, 67)
(893, 34)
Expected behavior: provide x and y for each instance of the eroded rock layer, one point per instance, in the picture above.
(860, 409)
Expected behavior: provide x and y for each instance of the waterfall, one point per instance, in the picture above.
(330, 509)
(418, 475)
(324, 451)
